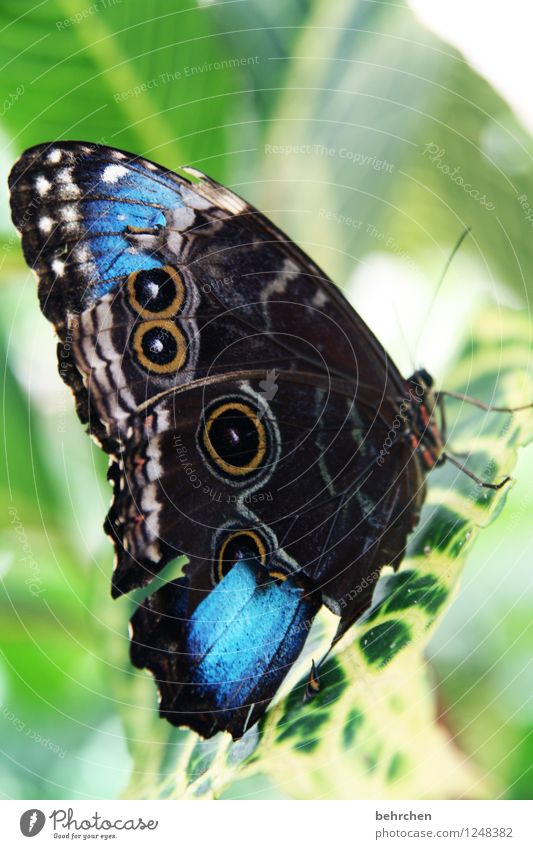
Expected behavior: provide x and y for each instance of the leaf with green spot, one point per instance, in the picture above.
(382, 643)
(406, 589)
(396, 766)
(354, 720)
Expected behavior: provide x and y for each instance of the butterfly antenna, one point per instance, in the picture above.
(405, 340)
(438, 287)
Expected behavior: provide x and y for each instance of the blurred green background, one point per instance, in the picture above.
(373, 143)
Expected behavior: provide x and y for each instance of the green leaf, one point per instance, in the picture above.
(141, 76)
(387, 140)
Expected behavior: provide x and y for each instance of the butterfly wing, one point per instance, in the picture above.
(243, 401)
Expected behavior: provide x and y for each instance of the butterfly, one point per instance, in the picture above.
(253, 421)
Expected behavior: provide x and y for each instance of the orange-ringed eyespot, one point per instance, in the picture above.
(234, 438)
(160, 346)
(239, 545)
(156, 292)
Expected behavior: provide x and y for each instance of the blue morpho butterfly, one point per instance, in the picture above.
(253, 421)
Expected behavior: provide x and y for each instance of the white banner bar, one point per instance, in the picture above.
(264, 825)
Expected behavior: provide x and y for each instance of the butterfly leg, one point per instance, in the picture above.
(467, 399)
(485, 484)
(491, 408)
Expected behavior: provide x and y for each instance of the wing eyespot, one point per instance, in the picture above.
(233, 438)
(160, 346)
(239, 545)
(156, 292)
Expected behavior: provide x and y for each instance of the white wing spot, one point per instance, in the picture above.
(112, 173)
(82, 254)
(54, 155)
(58, 267)
(174, 242)
(42, 185)
(320, 298)
(46, 224)
(182, 217)
(69, 213)
(68, 188)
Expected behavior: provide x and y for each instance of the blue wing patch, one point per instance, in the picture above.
(77, 206)
(219, 667)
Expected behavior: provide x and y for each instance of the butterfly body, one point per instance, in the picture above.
(253, 421)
